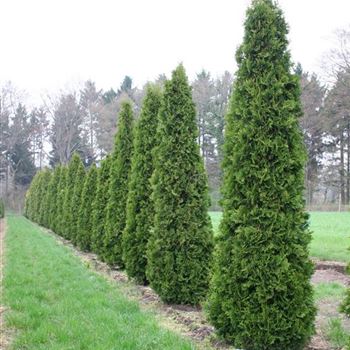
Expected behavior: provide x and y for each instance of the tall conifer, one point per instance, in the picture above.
(53, 196)
(140, 211)
(72, 179)
(76, 201)
(99, 206)
(180, 246)
(118, 187)
(59, 219)
(261, 297)
(85, 211)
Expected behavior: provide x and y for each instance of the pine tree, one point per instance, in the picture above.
(72, 179)
(118, 187)
(76, 200)
(140, 211)
(180, 246)
(99, 206)
(62, 186)
(261, 297)
(85, 211)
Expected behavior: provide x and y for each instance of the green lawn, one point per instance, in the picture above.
(56, 303)
(331, 234)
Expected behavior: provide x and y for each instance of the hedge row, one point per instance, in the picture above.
(145, 207)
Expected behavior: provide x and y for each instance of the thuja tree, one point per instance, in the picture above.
(261, 297)
(30, 200)
(45, 176)
(180, 246)
(99, 207)
(118, 187)
(59, 222)
(44, 206)
(83, 238)
(140, 211)
(72, 179)
(53, 196)
(35, 195)
(76, 200)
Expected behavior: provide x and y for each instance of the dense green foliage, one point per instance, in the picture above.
(99, 207)
(76, 200)
(140, 211)
(53, 193)
(261, 296)
(31, 197)
(58, 225)
(85, 211)
(329, 234)
(118, 187)
(55, 302)
(2, 208)
(44, 186)
(180, 246)
(72, 178)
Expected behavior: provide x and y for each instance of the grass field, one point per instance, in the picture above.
(331, 234)
(56, 303)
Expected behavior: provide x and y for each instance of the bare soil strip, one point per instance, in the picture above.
(191, 321)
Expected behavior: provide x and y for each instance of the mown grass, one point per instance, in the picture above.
(331, 234)
(56, 303)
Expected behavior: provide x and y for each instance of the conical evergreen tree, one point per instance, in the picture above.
(53, 196)
(72, 178)
(43, 207)
(118, 188)
(45, 215)
(261, 297)
(99, 206)
(180, 247)
(43, 188)
(31, 197)
(62, 186)
(76, 201)
(85, 211)
(140, 211)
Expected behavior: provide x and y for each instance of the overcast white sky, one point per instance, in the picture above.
(46, 44)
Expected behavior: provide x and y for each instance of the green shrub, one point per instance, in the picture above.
(72, 179)
(140, 211)
(261, 296)
(76, 200)
(83, 238)
(30, 199)
(44, 187)
(52, 194)
(59, 223)
(99, 207)
(118, 187)
(180, 246)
